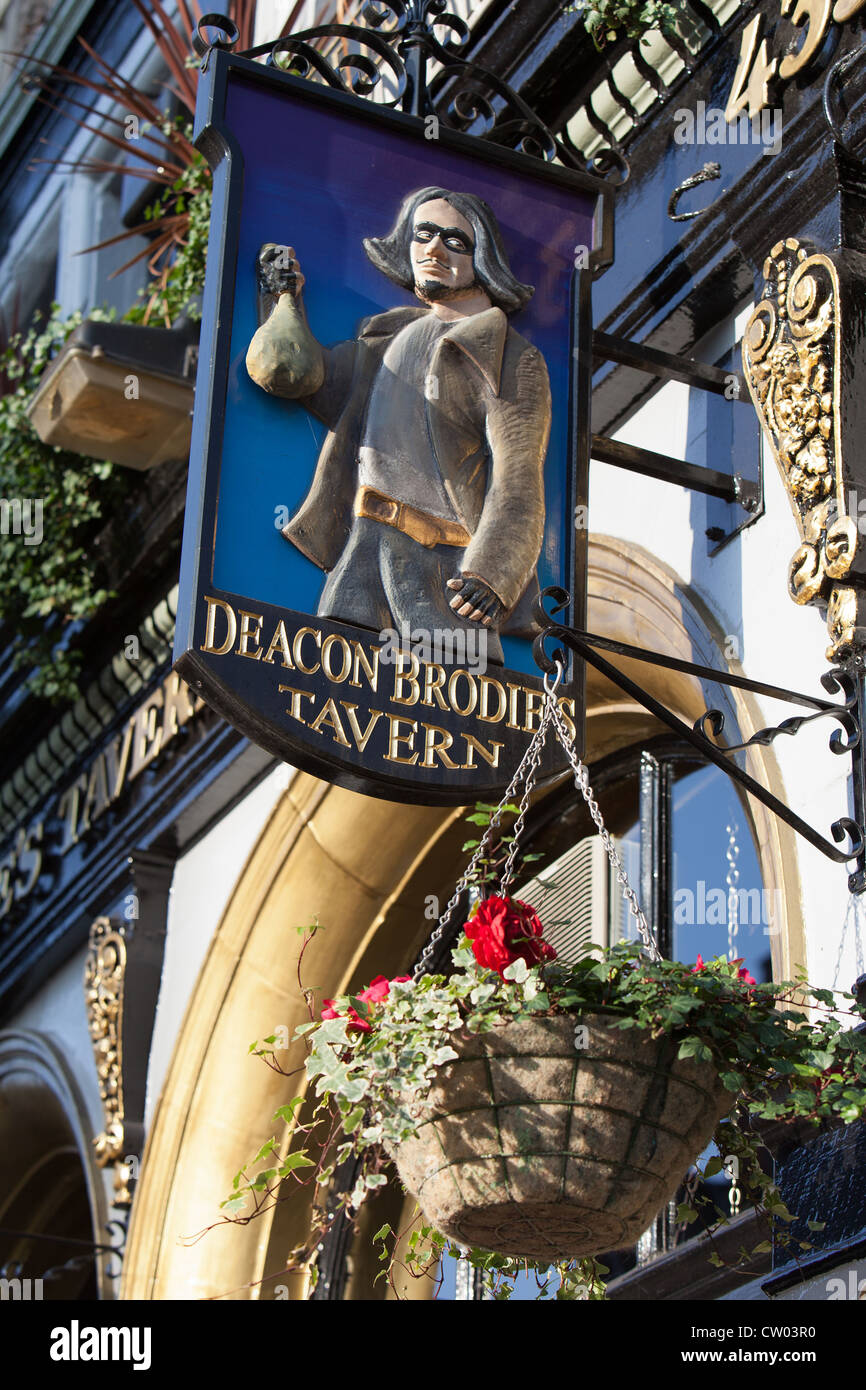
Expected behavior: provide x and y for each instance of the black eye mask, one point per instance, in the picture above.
(430, 230)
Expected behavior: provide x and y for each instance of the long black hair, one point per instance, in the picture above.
(390, 253)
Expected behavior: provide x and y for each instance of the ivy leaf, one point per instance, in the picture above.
(293, 1161)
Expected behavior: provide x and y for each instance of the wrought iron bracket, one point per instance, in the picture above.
(668, 366)
(847, 681)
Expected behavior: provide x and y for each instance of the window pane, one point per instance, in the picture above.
(719, 906)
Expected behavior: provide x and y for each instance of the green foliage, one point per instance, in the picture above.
(177, 286)
(608, 20)
(368, 1083)
(46, 586)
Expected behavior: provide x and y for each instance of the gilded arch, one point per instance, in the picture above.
(365, 868)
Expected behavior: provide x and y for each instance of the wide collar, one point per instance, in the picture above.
(480, 336)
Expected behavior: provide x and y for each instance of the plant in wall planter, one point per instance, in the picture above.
(543, 1111)
(606, 21)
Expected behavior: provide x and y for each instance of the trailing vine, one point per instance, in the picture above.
(52, 577)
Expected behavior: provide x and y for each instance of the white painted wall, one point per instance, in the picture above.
(58, 1011)
(201, 887)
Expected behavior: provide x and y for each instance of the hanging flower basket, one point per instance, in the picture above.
(542, 1110)
(550, 1141)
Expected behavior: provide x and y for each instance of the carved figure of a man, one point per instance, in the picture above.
(427, 504)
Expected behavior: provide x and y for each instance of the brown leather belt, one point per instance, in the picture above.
(421, 526)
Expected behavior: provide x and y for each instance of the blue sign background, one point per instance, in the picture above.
(320, 181)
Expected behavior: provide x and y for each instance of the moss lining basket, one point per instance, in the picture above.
(531, 1146)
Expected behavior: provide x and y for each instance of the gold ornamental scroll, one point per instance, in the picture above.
(803, 362)
(104, 973)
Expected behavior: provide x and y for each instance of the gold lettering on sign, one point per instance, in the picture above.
(369, 663)
(395, 738)
(472, 694)
(473, 746)
(297, 697)
(534, 706)
(80, 805)
(178, 706)
(251, 631)
(67, 808)
(297, 649)
(434, 679)
(345, 658)
(485, 685)
(146, 734)
(210, 630)
(29, 858)
(116, 758)
(96, 799)
(279, 643)
(329, 717)
(409, 679)
(361, 739)
(566, 705)
(435, 748)
(342, 660)
(513, 696)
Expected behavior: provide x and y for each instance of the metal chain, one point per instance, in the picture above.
(732, 854)
(529, 759)
(528, 769)
(581, 781)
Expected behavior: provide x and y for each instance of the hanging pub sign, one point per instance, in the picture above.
(382, 470)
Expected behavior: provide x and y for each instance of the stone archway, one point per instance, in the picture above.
(365, 868)
(52, 1195)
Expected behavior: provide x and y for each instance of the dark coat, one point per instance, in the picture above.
(489, 423)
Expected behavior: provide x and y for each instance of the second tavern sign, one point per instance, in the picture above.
(382, 468)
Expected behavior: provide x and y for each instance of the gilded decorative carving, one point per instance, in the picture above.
(792, 353)
(104, 972)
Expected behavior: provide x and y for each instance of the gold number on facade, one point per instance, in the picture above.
(754, 71)
(846, 9)
(816, 15)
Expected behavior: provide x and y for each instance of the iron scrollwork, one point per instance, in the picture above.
(389, 57)
(847, 680)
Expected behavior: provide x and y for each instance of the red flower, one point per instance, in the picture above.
(743, 974)
(376, 991)
(503, 930)
(355, 1020)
